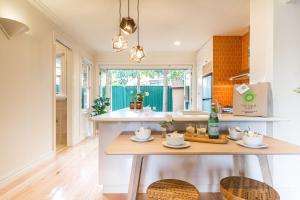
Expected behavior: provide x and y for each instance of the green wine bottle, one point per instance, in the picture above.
(213, 123)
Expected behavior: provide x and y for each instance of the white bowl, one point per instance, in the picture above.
(253, 140)
(143, 134)
(175, 140)
(234, 134)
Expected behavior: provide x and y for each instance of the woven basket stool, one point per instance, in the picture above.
(171, 189)
(242, 188)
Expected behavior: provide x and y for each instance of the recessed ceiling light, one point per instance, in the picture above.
(177, 43)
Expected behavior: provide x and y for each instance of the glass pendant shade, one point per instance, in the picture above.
(137, 53)
(128, 25)
(119, 43)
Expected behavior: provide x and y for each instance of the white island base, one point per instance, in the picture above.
(202, 171)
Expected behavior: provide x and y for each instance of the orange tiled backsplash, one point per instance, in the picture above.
(245, 52)
(227, 62)
(224, 94)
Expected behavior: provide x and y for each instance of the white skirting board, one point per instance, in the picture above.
(21, 172)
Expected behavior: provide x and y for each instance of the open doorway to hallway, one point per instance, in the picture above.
(61, 53)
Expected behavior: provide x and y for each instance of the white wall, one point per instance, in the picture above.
(204, 56)
(286, 102)
(163, 59)
(26, 85)
(261, 40)
(277, 24)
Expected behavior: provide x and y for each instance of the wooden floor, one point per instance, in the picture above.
(71, 175)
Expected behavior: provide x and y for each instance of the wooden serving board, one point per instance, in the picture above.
(204, 139)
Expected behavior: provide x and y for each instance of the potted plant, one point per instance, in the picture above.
(100, 105)
(132, 101)
(166, 126)
(140, 98)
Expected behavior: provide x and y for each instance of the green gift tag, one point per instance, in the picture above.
(249, 98)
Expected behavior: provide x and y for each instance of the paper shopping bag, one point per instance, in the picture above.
(256, 101)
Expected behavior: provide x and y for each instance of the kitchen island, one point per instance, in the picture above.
(203, 171)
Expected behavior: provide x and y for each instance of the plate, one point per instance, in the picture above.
(230, 138)
(135, 139)
(262, 146)
(184, 145)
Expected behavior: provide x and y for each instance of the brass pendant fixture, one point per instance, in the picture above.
(137, 53)
(119, 42)
(127, 24)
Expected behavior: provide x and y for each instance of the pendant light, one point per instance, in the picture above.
(127, 24)
(119, 42)
(137, 53)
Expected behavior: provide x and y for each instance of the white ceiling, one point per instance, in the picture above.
(193, 22)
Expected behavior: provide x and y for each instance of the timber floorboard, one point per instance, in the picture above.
(72, 174)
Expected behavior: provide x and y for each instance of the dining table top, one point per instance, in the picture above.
(122, 145)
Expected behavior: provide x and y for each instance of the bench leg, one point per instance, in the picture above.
(239, 165)
(265, 169)
(136, 169)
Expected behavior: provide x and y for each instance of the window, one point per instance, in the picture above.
(60, 74)
(102, 83)
(169, 89)
(85, 85)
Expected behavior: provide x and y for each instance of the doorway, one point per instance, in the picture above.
(61, 136)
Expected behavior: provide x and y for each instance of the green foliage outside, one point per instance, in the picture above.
(124, 77)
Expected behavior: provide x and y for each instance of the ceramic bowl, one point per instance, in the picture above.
(234, 134)
(255, 140)
(175, 139)
(143, 134)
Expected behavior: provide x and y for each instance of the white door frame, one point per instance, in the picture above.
(68, 89)
(85, 113)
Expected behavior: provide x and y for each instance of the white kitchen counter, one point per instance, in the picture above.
(126, 115)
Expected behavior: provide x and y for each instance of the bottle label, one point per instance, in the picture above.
(213, 129)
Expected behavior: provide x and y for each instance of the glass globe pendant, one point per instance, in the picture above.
(119, 42)
(137, 53)
(127, 24)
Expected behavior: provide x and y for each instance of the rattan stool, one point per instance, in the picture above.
(171, 189)
(242, 188)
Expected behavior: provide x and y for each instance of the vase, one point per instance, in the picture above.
(163, 132)
(132, 105)
(139, 105)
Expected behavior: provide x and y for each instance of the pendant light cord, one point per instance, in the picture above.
(138, 21)
(128, 8)
(120, 15)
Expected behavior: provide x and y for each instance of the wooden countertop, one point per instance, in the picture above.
(122, 145)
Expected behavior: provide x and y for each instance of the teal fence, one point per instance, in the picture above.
(121, 96)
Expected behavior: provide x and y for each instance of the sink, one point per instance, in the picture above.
(194, 113)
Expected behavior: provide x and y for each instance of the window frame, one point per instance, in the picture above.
(86, 62)
(107, 67)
